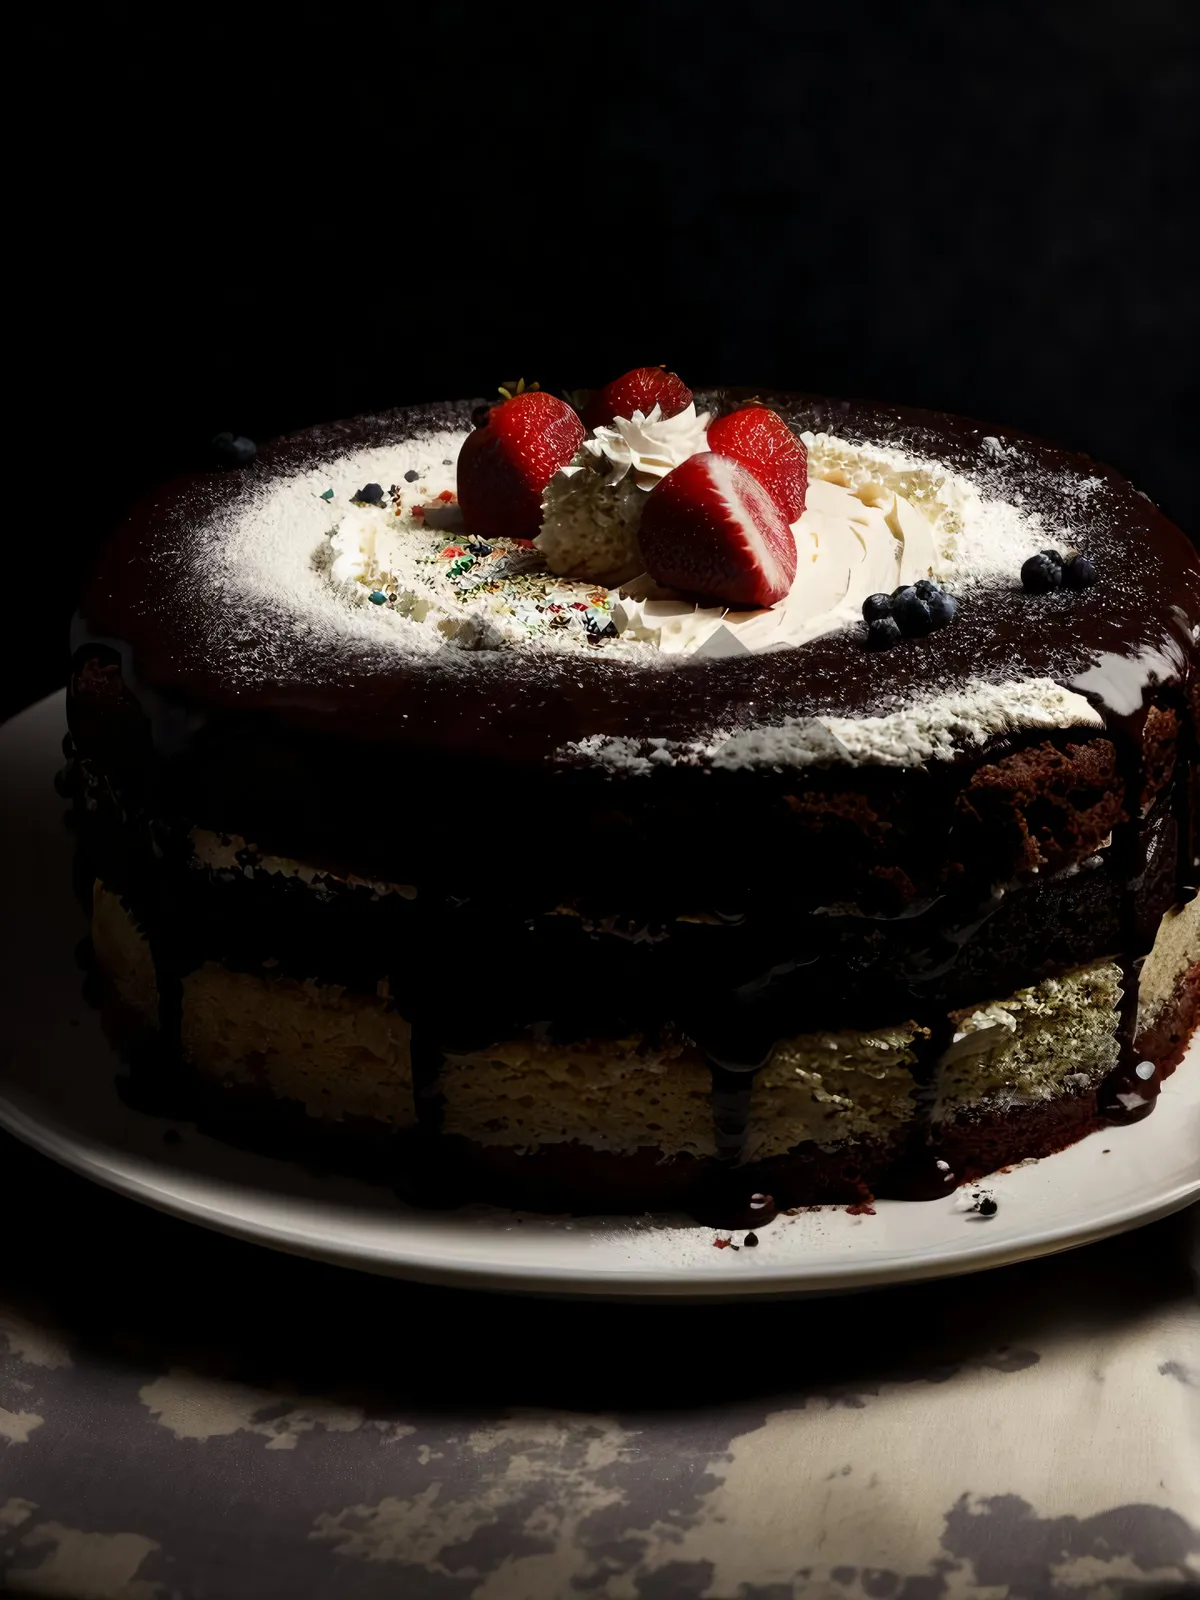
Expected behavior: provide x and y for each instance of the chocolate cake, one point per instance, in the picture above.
(699, 799)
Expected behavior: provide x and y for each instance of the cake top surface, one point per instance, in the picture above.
(331, 583)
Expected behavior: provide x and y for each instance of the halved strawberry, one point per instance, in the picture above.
(504, 467)
(762, 441)
(710, 530)
(638, 390)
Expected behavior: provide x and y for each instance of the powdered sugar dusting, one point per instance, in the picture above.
(298, 548)
(267, 561)
(271, 592)
(987, 525)
(936, 729)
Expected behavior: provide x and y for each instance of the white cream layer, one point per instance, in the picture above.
(228, 856)
(936, 729)
(870, 523)
(846, 549)
(265, 569)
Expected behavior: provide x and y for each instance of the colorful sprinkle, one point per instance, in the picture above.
(376, 598)
(327, 495)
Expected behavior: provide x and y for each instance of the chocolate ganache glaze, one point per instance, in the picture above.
(1134, 629)
(644, 875)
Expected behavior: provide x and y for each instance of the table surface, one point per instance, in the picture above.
(185, 1417)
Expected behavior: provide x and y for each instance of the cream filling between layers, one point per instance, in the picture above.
(340, 1053)
(1055, 1037)
(834, 1089)
(335, 1052)
(123, 954)
(230, 856)
(1176, 951)
(617, 1095)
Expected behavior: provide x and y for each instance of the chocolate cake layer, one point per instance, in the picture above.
(878, 836)
(216, 898)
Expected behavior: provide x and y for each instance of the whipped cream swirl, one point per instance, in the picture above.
(593, 507)
(648, 446)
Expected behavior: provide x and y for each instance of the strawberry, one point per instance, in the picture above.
(504, 467)
(638, 390)
(762, 441)
(710, 530)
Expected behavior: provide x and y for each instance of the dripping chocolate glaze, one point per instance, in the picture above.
(510, 715)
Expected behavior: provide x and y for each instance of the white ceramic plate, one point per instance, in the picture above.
(57, 1092)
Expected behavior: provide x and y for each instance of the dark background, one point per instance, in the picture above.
(256, 218)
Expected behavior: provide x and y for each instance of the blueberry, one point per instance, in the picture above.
(926, 588)
(411, 476)
(1080, 573)
(233, 450)
(876, 606)
(911, 612)
(371, 494)
(1042, 573)
(943, 609)
(883, 633)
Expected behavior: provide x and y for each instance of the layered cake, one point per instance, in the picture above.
(651, 800)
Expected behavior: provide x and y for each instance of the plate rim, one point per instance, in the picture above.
(639, 1283)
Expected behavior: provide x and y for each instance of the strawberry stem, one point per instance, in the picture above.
(515, 386)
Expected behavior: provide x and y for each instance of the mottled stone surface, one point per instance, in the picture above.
(186, 1418)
